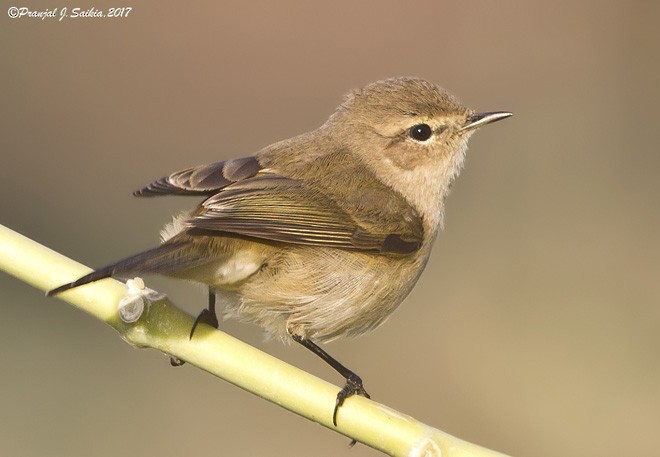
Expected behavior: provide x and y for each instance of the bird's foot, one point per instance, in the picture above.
(207, 317)
(353, 386)
(176, 362)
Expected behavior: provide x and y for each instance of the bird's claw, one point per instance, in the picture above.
(207, 317)
(353, 386)
(176, 362)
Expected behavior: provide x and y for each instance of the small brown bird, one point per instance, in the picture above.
(322, 235)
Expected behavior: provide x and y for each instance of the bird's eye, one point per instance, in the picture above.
(420, 132)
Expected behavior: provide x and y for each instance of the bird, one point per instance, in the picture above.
(323, 235)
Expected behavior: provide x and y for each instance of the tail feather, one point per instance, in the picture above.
(161, 259)
(101, 273)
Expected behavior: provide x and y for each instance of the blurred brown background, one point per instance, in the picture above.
(535, 329)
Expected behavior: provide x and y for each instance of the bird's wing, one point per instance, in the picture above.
(204, 179)
(275, 208)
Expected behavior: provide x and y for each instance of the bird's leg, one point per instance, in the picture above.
(207, 316)
(353, 382)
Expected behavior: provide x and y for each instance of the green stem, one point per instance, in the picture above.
(164, 327)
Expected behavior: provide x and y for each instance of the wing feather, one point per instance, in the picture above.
(245, 198)
(285, 210)
(204, 179)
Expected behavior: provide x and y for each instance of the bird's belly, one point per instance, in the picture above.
(236, 269)
(323, 294)
(226, 271)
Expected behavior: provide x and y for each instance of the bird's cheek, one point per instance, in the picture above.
(407, 157)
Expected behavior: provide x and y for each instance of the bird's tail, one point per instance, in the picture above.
(163, 259)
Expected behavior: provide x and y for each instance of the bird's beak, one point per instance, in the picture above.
(476, 120)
